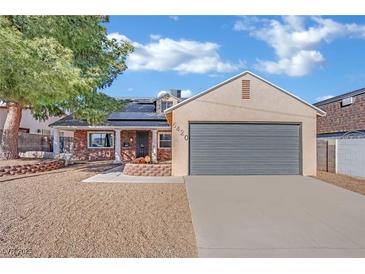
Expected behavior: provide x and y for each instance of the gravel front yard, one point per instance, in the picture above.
(52, 214)
(350, 183)
(19, 162)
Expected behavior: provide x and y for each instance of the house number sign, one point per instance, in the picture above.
(180, 131)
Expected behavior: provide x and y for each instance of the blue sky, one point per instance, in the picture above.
(312, 57)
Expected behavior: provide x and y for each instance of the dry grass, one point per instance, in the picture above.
(347, 182)
(54, 215)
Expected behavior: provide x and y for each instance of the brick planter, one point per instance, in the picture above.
(39, 167)
(147, 169)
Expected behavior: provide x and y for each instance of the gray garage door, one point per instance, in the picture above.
(244, 149)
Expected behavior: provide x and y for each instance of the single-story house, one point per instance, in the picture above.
(242, 126)
(140, 129)
(345, 116)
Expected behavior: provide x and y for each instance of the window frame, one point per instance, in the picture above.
(165, 101)
(159, 140)
(99, 132)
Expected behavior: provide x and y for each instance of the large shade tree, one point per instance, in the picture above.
(53, 64)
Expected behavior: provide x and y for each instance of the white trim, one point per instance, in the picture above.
(100, 132)
(56, 141)
(154, 145)
(117, 147)
(158, 140)
(319, 111)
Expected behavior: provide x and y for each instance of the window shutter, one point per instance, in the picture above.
(245, 89)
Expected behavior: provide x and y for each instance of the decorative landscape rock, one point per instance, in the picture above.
(32, 168)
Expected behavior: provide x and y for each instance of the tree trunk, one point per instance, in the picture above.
(9, 140)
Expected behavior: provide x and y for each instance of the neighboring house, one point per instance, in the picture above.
(140, 129)
(242, 126)
(345, 115)
(30, 125)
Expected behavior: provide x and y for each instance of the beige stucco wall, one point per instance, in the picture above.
(225, 104)
(28, 121)
(165, 98)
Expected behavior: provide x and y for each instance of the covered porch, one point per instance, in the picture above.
(119, 144)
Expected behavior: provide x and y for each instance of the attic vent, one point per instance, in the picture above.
(245, 89)
(347, 101)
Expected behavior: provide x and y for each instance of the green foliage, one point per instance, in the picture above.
(86, 106)
(57, 63)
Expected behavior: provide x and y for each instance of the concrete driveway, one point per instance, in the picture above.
(275, 216)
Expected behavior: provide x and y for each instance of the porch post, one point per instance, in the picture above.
(154, 146)
(56, 142)
(117, 147)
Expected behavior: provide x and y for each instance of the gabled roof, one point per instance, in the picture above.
(341, 96)
(319, 111)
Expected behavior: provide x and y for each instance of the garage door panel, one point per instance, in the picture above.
(244, 149)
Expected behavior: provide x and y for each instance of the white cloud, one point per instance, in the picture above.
(185, 93)
(182, 56)
(174, 17)
(322, 98)
(162, 92)
(299, 64)
(155, 36)
(117, 36)
(296, 45)
(130, 89)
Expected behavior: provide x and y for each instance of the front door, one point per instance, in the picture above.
(142, 144)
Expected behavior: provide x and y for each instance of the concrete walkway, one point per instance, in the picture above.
(275, 216)
(118, 177)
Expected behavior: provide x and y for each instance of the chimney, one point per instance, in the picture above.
(176, 92)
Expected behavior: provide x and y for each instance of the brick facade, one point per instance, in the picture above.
(82, 152)
(128, 147)
(163, 154)
(342, 119)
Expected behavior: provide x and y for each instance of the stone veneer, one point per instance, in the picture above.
(128, 149)
(147, 169)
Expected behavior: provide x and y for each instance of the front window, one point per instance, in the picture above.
(165, 140)
(165, 105)
(100, 140)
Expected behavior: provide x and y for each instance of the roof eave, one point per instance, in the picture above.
(340, 97)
